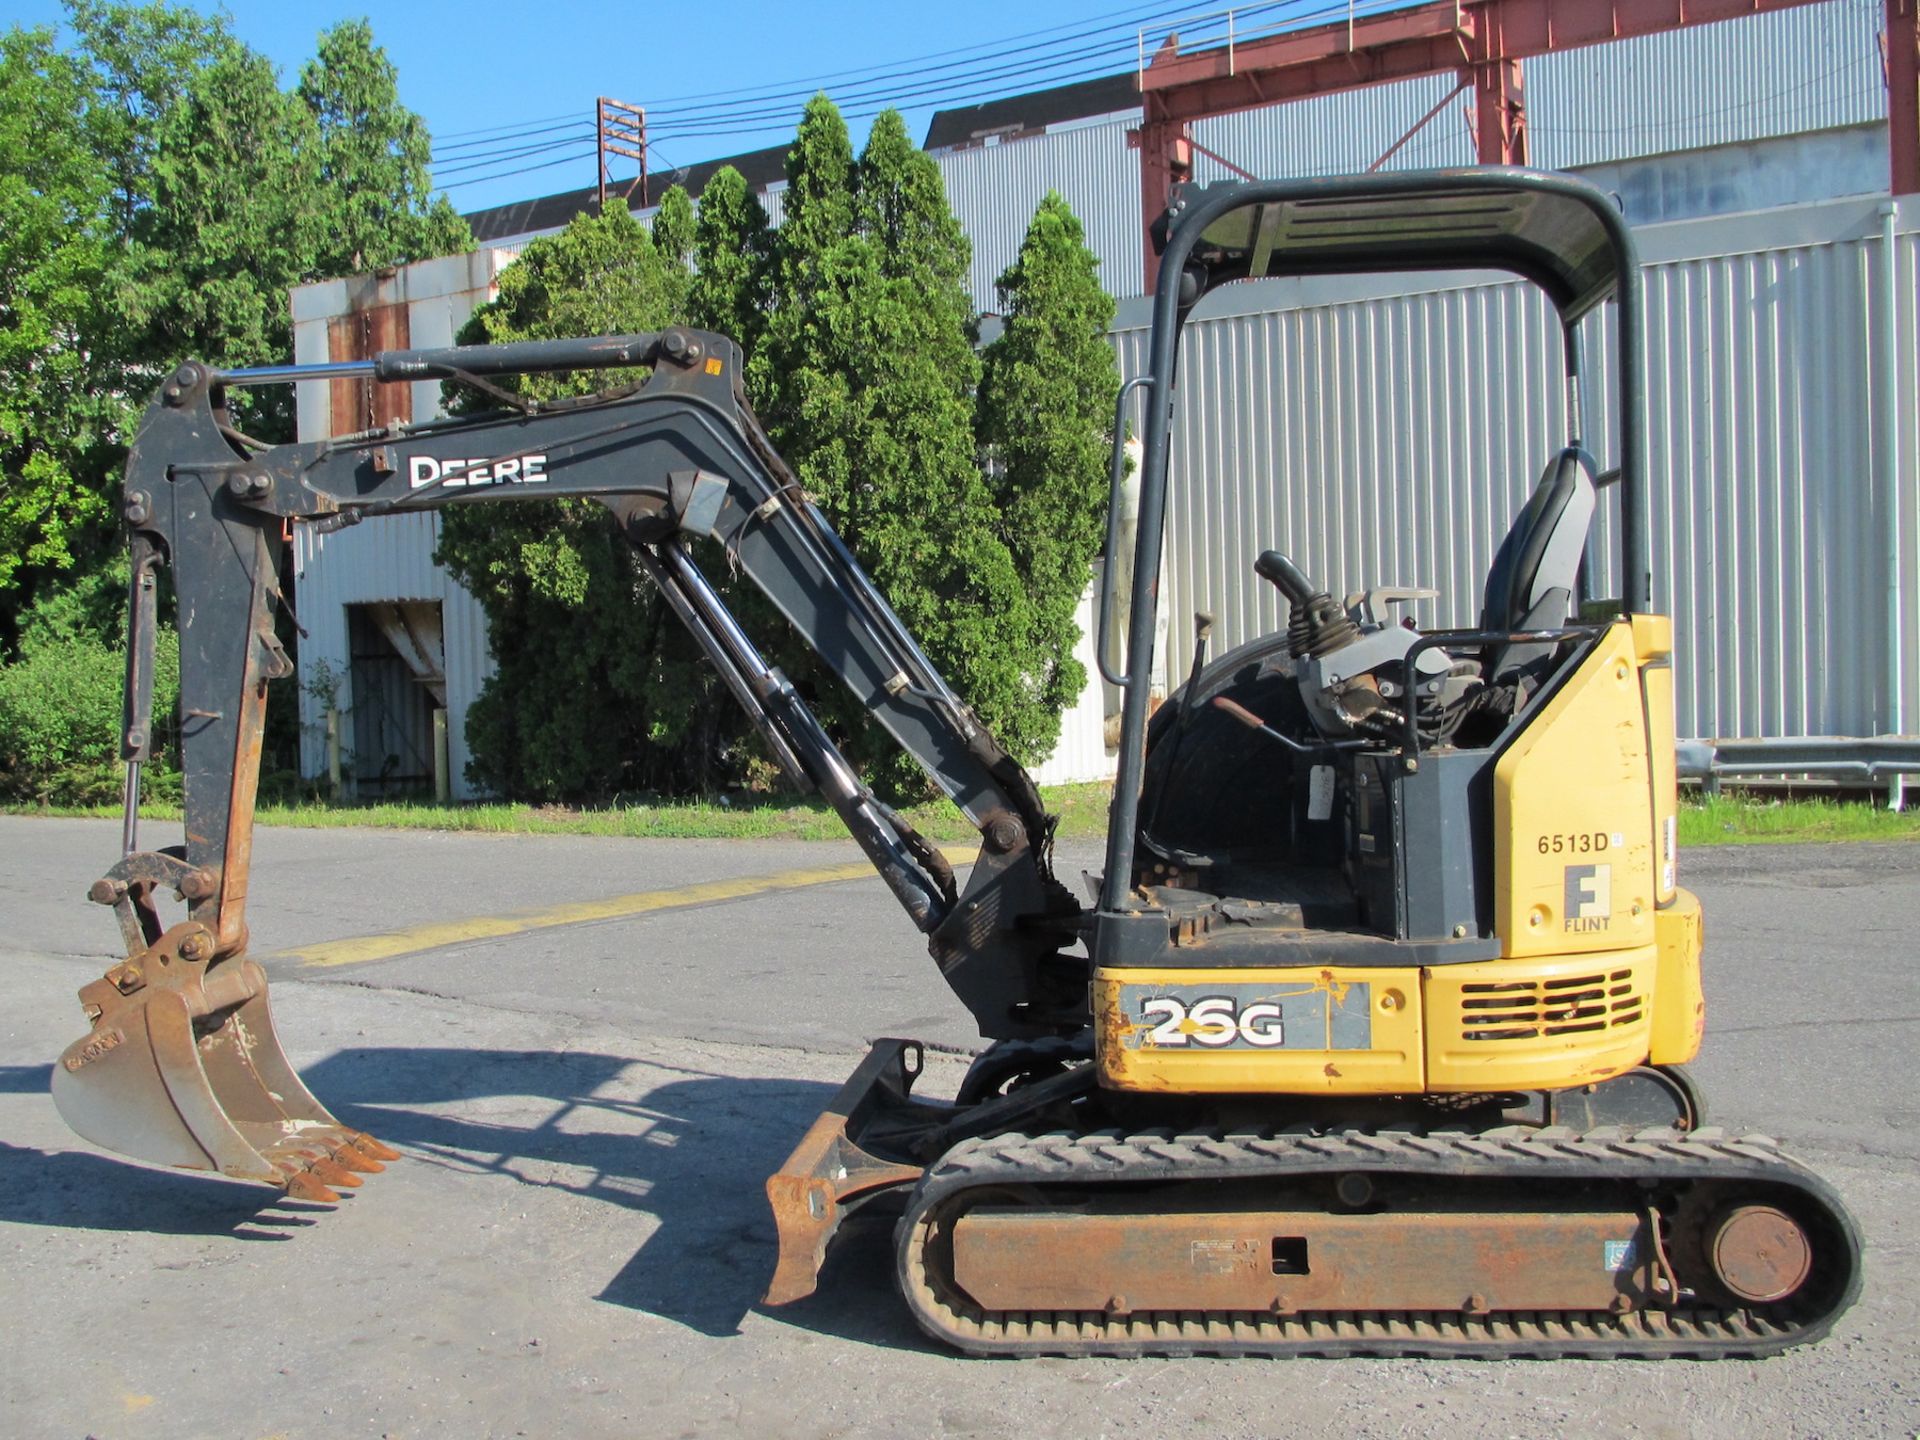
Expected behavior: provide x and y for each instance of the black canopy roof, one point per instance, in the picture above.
(1561, 233)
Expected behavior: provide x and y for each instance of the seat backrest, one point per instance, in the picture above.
(1537, 568)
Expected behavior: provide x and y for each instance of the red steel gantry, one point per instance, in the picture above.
(1483, 41)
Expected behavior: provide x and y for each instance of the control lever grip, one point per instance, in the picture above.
(1285, 576)
(1237, 711)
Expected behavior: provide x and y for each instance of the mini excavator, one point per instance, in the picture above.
(1371, 1039)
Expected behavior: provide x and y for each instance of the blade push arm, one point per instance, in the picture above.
(676, 457)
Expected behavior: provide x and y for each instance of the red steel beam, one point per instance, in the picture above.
(1499, 113)
(1484, 40)
(1406, 43)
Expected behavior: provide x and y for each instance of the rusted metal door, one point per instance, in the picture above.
(358, 403)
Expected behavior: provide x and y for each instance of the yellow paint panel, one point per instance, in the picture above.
(1653, 643)
(1538, 1024)
(1130, 1059)
(1679, 1007)
(1574, 851)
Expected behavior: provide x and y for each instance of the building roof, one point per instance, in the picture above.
(760, 168)
(1019, 114)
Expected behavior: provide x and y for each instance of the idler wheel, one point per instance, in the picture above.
(1758, 1253)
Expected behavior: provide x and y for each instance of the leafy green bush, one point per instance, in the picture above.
(60, 718)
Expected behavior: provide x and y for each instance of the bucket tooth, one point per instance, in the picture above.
(334, 1173)
(367, 1145)
(357, 1160)
(302, 1186)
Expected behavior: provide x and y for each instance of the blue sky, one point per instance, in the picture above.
(545, 62)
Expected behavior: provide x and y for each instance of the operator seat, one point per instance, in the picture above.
(1536, 571)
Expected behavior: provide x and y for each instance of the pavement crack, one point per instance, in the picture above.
(417, 990)
(1815, 1024)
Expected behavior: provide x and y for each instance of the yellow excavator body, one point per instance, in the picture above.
(1372, 1038)
(1600, 963)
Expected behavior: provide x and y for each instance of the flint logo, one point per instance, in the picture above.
(1589, 897)
(424, 470)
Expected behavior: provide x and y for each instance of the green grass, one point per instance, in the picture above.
(1082, 810)
(1704, 820)
(1761, 820)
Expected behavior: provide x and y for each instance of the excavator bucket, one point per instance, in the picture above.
(182, 1067)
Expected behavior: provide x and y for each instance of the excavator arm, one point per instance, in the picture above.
(676, 457)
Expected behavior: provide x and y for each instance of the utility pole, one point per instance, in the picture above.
(621, 129)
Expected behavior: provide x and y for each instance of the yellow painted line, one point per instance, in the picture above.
(365, 948)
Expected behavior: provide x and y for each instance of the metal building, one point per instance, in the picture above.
(1782, 354)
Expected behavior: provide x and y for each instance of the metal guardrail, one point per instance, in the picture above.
(1883, 760)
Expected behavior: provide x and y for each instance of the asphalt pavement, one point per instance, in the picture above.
(608, 1046)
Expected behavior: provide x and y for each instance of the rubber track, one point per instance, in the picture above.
(1514, 1153)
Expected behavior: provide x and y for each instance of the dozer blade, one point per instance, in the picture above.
(183, 1068)
(831, 1172)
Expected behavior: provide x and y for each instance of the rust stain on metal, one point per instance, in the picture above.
(829, 1169)
(1758, 1252)
(1018, 1258)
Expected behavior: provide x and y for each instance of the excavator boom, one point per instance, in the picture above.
(182, 1065)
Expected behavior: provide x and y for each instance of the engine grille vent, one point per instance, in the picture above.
(1527, 1010)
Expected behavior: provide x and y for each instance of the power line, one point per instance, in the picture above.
(507, 125)
(577, 123)
(900, 67)
(546, 147)
(918, 80)
(1060, 54)
(522, 170)
(773, 105)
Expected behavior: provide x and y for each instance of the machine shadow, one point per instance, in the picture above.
(79, 1190)
(693, 1153)
(25, 1079)
(84, 1190)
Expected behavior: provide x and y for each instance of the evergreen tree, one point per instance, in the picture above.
(731, 251)
(869, 377)
(142, 57)
(597, 688)
(159, 194)
(673, 226)
(372, 156)
(1045, 417)
(792, 390)
(818, 205)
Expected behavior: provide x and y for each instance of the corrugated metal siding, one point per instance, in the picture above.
(1767, 446)
(995, 189)
(1386, 442)
(1390, 440)
(1904, 503)
(1815, 67)
(1812, 68)
(388, 558)
(1338, 134)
